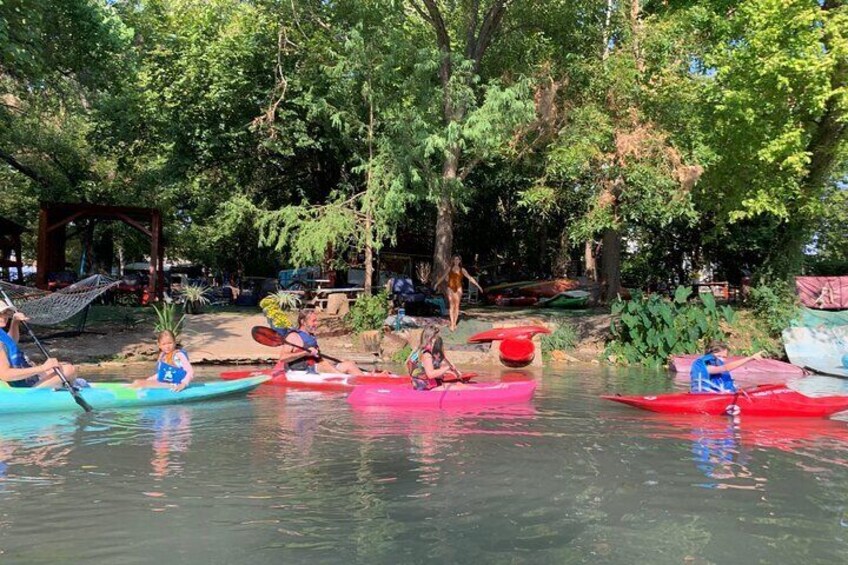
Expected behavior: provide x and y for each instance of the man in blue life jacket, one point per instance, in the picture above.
(15, 369)
(301, 352)
(709, 372)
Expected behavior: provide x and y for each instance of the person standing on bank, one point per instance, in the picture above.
(454, 277)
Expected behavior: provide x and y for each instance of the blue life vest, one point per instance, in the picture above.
(167, 373)
(17, 360)
(703, 381)
(304, 363)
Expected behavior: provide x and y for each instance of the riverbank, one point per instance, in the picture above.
(117, 337)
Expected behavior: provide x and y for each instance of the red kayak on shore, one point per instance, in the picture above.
(320, 381)
(765, 400)
(500, 334)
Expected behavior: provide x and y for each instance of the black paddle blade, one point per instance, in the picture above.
(81, 401)
(266, 336)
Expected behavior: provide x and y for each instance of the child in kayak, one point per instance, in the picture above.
(173, 369)
(710, 374)
(427, 365)
(15, 369)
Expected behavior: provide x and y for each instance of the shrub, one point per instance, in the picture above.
(650, 328)
(774, 303)
(401, 355)
(368, 313)
(564, 337)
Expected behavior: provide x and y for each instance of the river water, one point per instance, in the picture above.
(290, 477)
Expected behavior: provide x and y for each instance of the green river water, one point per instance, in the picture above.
(300, 477)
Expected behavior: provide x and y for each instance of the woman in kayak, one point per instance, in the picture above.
(710, 374)
(454, 277)
(301, 353)
(428, 365)
(15, 369)
(173, 369)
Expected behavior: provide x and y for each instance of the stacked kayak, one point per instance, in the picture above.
(319, 381)
(444, 397)
(570, 299)
(102, 396)
(765, 400)
(516, 348)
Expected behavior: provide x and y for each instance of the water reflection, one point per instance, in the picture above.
(171, 438)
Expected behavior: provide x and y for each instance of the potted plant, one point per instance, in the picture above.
(195, 298)
(276, 307)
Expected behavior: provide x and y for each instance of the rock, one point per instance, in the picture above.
(563, 357)
(391, 344)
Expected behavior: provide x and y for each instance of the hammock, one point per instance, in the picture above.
(51, 308)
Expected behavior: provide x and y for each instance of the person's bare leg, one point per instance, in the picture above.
(51, 379)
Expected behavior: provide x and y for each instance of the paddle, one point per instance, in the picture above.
(65, 384)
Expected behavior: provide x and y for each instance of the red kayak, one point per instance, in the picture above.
(320, 381)
(765, 400)
(500, 334)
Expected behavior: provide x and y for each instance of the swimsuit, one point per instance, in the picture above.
(455, 281)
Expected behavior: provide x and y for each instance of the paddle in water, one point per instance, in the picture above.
(58, 370)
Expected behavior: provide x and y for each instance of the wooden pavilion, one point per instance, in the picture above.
(52, 234)
(10, 242)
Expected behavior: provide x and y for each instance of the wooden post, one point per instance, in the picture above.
(154, 286)
(43, 250)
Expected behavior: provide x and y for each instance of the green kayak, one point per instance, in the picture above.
(104, 396)
(564, 301)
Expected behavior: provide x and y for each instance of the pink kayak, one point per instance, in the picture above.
(447, 396)
(683, 363)
(766, 400)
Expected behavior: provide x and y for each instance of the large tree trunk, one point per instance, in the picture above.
(611, 264)
(369, 255)
(591, 270)
(444, 217)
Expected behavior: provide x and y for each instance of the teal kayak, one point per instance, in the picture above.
(104, 396)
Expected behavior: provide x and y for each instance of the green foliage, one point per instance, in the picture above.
(775, 304)
(167, 320)
(650, 328)
(400, 356)
(563, 338)
(368, 313)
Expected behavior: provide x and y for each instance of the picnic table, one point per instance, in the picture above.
(321, 296)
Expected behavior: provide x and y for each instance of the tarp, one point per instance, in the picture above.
(809, 318)
(819, 348)
(823, 293)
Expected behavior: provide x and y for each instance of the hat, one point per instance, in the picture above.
(4, 306)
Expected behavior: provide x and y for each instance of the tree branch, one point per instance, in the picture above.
(24, 169)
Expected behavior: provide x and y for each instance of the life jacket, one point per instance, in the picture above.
(17, 360)
(16, 357)
(415, 368)
(304, 363)
(703, 381)
(169, 369)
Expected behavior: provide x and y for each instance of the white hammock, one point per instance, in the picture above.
(51, 308)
